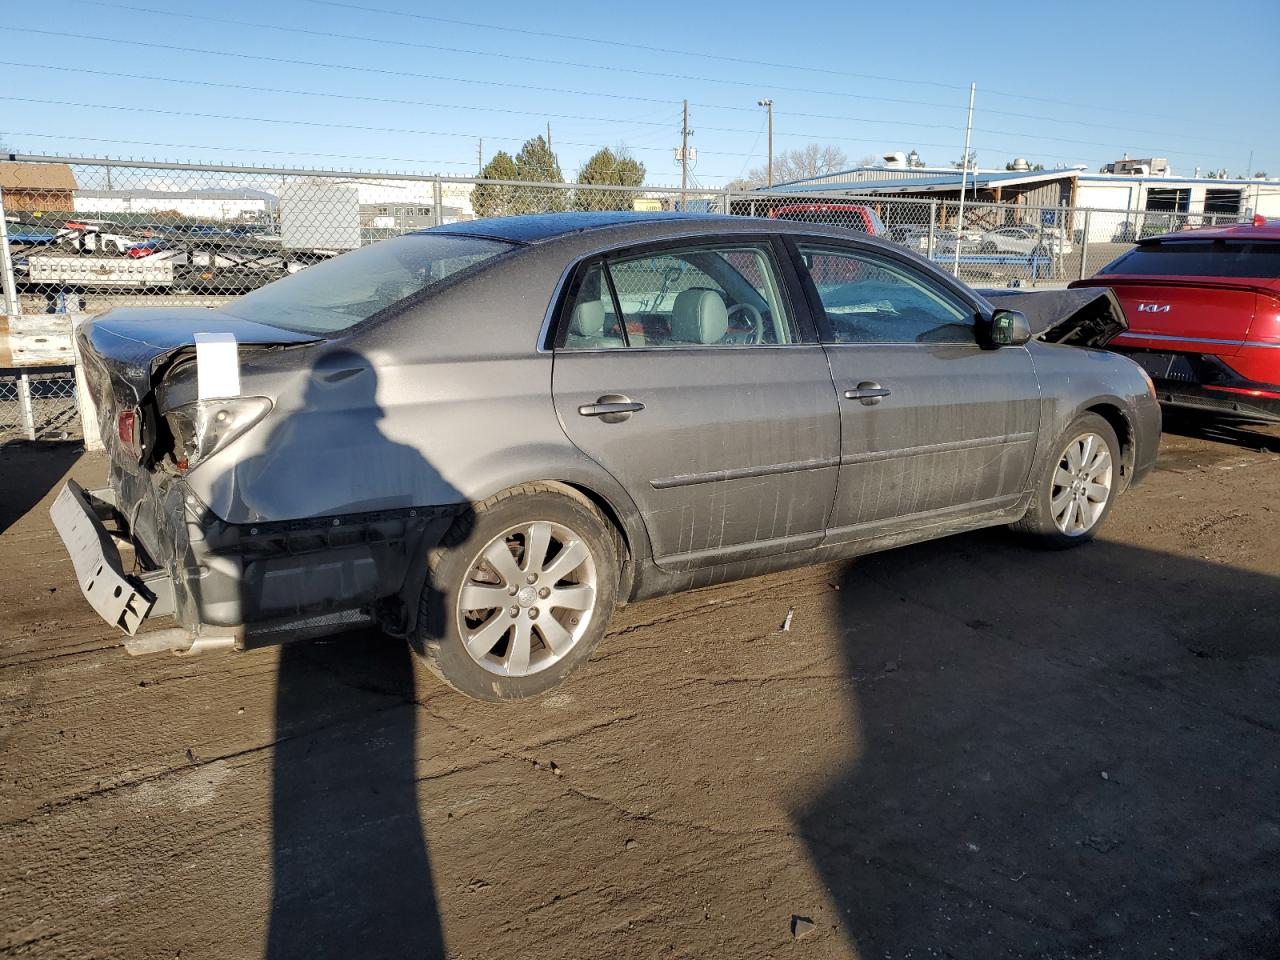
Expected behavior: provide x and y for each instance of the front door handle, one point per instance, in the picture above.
(611, 408)
(869, 392)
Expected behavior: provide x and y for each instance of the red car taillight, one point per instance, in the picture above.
(129, 430)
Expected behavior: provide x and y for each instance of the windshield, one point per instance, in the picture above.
(1184, 258)
(332, 296)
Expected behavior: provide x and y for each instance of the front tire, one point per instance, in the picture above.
(1077, 486)
(519, 592)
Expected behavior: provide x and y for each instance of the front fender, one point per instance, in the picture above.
(1075, 380)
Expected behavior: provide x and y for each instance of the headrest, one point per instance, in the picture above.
(588, 318)
(699, 316)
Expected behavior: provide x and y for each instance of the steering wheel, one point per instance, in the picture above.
(755, 324)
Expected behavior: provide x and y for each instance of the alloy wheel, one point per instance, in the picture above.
(1081, 485)
(527, 599)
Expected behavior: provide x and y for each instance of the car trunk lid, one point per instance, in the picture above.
(124, 352)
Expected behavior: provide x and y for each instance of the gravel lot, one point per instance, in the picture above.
(960, 749)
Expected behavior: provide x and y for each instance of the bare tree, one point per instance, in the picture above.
(814, 160)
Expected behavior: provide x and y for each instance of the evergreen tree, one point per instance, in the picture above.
(493, 199)
(608, 168)
(538, 164)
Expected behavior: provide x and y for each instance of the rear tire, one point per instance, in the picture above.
(1076, 487)
(518, 593)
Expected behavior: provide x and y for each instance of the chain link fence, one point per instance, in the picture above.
(38, 404)
(85, 235)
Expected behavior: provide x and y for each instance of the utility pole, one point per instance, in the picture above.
(964, 169)
(768, 105)
(548, 134)
(480, 156)
(684, 151)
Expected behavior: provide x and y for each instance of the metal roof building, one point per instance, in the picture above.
(1042, 188)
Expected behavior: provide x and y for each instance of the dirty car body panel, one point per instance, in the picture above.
(308, 499)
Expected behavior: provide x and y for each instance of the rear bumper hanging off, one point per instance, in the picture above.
(123, 601)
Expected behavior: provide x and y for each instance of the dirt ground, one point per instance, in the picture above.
(960, 749)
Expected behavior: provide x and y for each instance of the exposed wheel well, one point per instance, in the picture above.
(1124, 433)
(626, 552)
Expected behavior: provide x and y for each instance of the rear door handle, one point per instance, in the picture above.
(868, 392)
(611, 408)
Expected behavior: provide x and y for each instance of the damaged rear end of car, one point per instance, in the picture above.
(250, 493)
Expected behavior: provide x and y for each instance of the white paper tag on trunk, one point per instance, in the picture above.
(217, 366)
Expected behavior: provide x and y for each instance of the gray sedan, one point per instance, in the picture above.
(485, 437)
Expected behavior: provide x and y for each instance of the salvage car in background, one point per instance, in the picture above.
(484, 437)
(1026, 240)
(1204, 317)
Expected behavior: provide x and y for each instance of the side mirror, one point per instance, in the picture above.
(1009, 328)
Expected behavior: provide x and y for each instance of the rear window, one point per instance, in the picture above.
(336, 294)
(1208, 259)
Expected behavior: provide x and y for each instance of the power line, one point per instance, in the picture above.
(262, 58)
(339, 96)
(308, 123)
(950, 126)
(544, 61)
(704, 55)
(662, 124)
(444, 133)
(615, 68)
(208, 146)
(512, 85)
(700, 54)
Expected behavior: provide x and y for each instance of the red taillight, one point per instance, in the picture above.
(127, 431)
(1259, 220)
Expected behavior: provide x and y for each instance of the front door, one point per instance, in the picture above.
(933, 425)
(686, 373)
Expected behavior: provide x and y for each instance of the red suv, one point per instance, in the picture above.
(855, 216)
(1204, 317)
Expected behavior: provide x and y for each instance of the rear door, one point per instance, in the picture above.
(932, 424)
(686, 372)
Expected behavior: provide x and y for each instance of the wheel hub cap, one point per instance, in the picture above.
(527, 597)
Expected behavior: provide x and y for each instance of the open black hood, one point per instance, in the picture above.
(1088, 317)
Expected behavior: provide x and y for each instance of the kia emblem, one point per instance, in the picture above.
(1153, 308)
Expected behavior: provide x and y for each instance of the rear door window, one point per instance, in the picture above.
(709, 295)
(1193, 259)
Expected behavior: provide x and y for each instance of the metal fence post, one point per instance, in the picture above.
(11, 306)
(933, 226)
(24, 401)
(437, 200)
(1084, 246)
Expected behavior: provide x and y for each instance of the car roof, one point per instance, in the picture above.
(538, 227)
(1234, 231)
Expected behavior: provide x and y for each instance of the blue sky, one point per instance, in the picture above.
(1057, 83)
